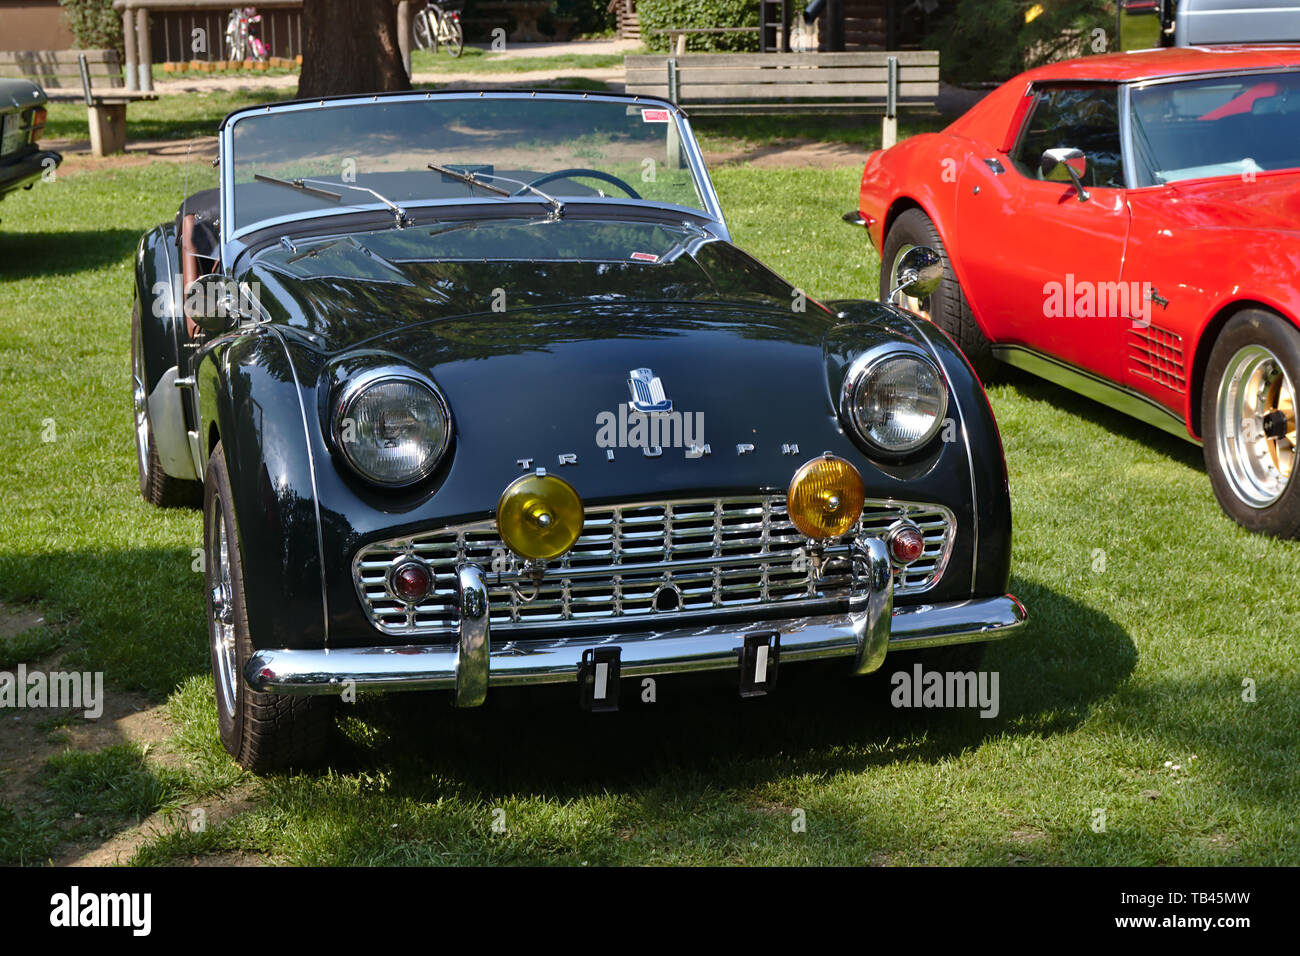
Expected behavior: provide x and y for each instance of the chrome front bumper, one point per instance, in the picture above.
(866, 632)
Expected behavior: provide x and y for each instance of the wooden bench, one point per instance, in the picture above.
(93, 77)
(711, 83)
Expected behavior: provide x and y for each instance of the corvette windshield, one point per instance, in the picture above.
(1217, 126)
(564, 148)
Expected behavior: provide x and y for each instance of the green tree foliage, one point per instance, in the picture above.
(95, 25)
(656, 15)
(990, 40)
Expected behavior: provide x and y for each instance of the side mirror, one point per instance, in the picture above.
(1065, 165)
(216, 303)
(918, 274)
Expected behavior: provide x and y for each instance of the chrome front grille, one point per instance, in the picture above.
(712, 554)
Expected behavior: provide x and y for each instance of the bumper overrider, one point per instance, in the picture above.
(866, 632)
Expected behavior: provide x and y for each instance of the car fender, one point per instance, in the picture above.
(976, 434)
(250, 399)
(162, 331)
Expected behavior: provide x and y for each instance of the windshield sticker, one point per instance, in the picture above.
(645, 257)
(654, 116)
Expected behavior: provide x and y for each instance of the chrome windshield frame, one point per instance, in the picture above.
(694, 158)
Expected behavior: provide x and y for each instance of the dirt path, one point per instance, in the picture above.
(206, 82)
(784, 154)
(29, 738)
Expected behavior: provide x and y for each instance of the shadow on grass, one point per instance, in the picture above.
(138, 615)
(699, 734)
(27, 255)
(1103, 416)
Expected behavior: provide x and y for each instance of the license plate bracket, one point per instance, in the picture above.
(759, 658)
(598, 677)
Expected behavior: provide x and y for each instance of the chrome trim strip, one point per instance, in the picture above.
(315, 492)
(1098, 389)
(1126, 141)
(474, 646)
(424, 667)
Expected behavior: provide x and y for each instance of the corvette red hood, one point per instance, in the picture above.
(1271, 202)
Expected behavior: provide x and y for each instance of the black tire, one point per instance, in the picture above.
(947, 307)
(156, 486)
(261, 731)
(1239, 468)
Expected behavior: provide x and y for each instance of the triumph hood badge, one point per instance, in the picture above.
(647, 392)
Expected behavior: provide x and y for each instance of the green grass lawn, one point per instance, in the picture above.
(1149, 610)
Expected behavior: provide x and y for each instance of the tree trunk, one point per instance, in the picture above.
(350, 47)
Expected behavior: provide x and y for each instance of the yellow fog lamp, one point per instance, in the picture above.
(825, 497)
(539, 516)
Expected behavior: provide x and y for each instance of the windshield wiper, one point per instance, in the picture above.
(476, 179)
(301, 185)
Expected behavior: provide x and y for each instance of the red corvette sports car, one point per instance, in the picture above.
(1126, 225)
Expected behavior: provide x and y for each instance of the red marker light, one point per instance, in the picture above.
(411, 581)
(906, 543)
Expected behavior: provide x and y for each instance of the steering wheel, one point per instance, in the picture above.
(581, 171)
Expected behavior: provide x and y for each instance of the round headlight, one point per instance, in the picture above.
(539, 516)
(895, 400)
(825, 498)
(392, 430)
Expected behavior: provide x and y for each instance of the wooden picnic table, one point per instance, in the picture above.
(677, 36)
(526, 14)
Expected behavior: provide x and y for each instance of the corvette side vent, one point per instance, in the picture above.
(1157, 354)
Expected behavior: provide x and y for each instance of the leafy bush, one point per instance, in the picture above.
(655, 15)
(593, 16)
(95, 25)
(989, 40)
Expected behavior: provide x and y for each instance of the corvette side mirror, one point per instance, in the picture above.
(919, 273)
(1065, 165)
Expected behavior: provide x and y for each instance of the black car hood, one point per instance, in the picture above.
(741, 355)
(347, 290)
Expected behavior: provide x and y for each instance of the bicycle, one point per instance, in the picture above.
(434, 25)
(241, 43)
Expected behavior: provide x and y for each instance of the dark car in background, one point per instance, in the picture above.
(22, 120)
(481, 394)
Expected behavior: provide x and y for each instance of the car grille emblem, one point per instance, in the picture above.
(647, 392)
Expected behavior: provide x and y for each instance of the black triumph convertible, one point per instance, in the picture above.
(477, 392)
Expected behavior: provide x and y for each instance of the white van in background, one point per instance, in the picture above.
(1206, 22)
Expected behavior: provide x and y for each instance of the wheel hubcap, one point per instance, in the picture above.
(1257, 426)
(919, 306)
(140, 401)
(222, 623)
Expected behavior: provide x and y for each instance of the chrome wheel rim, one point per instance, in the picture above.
(1256, 426)
(920, 306)
(222, 617)
(140, 401)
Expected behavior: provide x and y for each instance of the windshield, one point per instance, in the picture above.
(1219, 126)
(560, 147)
